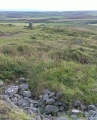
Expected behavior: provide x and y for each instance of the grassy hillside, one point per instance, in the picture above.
(58, 57)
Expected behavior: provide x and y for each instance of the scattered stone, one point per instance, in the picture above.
(50, 101)
(46, 92)
(75, 112)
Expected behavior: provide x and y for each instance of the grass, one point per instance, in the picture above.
(60, 58)
(11, 113)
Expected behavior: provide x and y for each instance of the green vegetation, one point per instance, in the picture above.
(58, 56)
(11, 113)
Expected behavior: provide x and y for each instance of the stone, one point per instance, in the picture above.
(14, 100)
(1, 83)
(51, 109)
(21, 80)
(61, 108)
(33, 119)
(75, 112)
(26, 93)
(77, 104)
(91, 107)
(23, 87)
(20, 102)
(61, 118)
(45, 97)
(74, 117)
(11, 90)
(46, 92)
(45, 119)
(52, 94)
(50, 101)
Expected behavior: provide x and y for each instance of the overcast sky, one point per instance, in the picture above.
(48, 5)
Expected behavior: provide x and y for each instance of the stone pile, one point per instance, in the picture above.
(50, 103)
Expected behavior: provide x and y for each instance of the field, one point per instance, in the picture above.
(59, 53)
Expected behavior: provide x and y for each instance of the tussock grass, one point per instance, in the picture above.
(58, 58)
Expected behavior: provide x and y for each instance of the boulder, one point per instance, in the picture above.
(51, 109)
(11, 90)
(45, 97)
(27, 94)
(91, 107)
(52, 94)
(23, 87)
(50, 101)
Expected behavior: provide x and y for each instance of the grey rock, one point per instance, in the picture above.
(20, 102)
(33, 119)
(91, 112)
(50, 101)
(83, 107)
(52, 94)
(1, 83)
(86, 115)
(91, 107)
(77, 104)
(45, 119)
(61, 108)
(45, 97)
(11, 90)
(74, 117)
(22, 79)
(46, 92)
(26, 93)
(51, 109)
(23, 87)
(14, 100)
(61, 118)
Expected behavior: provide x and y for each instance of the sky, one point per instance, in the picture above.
(48, 5)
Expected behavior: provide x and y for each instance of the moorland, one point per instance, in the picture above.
(59, 53)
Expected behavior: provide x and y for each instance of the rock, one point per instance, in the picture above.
(77, 104)
(20, 102)
(93, 116)
(1, 83)
(45, 97)
(51, 109)
(91, 112)
(14, 100)
(61, 118)
(61, 108)
(26, 93)
(46, 92)
(22, 79)
(83, 107)
(86, 115)
(74, 117)
(23, 87)
(45, 119)
(52, 94)
(91, 107)
(50, 101)
(11, 90)
(33, 119)
(75, 112)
